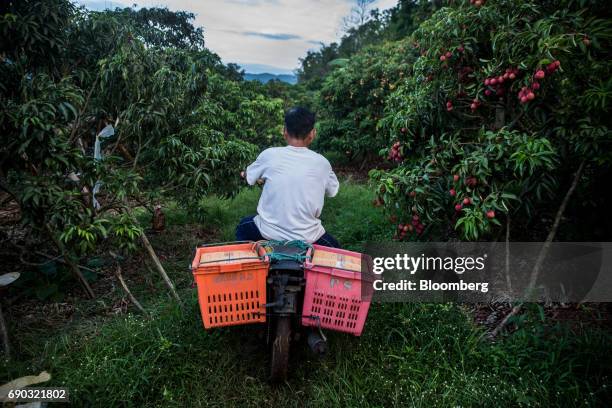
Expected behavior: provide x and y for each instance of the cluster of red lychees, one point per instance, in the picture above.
(415, 226)
(395, 153)
(466, 201)
(495, 84)
(528, 93)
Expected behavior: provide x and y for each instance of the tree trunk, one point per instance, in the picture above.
(71, 264)
(500, 117)
(507, 268)
(125, 153)
(5, 339)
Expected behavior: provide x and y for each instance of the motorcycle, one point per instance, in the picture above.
(285, 285)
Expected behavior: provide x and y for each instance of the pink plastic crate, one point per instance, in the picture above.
(334, 291)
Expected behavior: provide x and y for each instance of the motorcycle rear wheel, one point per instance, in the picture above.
(279, 361)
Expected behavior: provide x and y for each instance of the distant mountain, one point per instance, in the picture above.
(265, 77)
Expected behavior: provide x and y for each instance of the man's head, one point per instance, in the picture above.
(299, 126)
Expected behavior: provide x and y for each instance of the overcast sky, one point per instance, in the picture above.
(259, 35)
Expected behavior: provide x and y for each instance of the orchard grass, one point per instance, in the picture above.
(418, 355)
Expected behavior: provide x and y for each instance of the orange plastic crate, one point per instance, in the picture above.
(231, 282)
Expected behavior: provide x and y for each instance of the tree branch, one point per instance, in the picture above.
(77, 122)
(153, 256)
(544, 251)
(124, 285)
(555, 227)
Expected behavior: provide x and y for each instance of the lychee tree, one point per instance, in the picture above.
(68, 73)
(352, 98)
(506, 100)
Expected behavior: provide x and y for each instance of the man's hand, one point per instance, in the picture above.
(259, 182)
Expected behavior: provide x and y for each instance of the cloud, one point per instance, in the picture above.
(100, 5)
(275, 33)
(252, 2)
(279, 37)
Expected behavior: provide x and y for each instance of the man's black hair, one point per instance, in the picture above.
(299, 122)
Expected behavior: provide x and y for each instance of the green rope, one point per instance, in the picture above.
(280, 256)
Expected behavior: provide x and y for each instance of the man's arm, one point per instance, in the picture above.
(254, 172)
(332, 185)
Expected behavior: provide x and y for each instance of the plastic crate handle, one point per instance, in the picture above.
(222, 243)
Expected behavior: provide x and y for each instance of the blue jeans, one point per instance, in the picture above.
(248, 231)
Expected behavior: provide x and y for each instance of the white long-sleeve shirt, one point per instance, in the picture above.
(296, 183)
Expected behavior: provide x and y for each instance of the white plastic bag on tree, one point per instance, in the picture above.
(108, 131)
